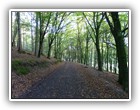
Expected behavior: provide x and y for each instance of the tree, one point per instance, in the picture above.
(53, 33)
(32, 40)
(15, 31)
(42, 30)
(56, 28)
(19, 31)
(36, 35)
(95, 26)
(86, 38)
(79, 44)
(86, 49)
(116, 31)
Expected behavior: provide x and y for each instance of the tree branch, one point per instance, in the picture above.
(123, 31)
(46, 25)
(109, 23)
(88, 22)
(110, 44)
(90, 34)
(64, 26)
(99, 24)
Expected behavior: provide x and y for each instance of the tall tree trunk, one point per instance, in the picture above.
(36, 37)
(55, 47)
(102, 55)
(19, 32)
(91, 57)
(98, 50)
(50, 41)
(14, 36)
(97, 23)
(110, 65)
(86, 51)
(107, 54)
(107, 51)
(15, 32)
(121, 54)
(59, 48)
(32, 42)
(42, 32)
(49, 52)
(119, 39)
(95, 57)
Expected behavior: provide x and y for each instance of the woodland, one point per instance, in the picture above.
(94, 39)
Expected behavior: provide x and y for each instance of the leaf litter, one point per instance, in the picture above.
(99, 85)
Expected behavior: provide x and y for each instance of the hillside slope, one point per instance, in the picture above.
(34, 78)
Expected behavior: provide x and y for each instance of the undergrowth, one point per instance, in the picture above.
(58, 61)
(24, 67)
(17, 65)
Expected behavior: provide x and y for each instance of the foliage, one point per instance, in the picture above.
(22, 70)
(68, 36)
(62, 32)
(23, 67)
(19, 68)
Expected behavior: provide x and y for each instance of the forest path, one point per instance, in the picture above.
(73, 81)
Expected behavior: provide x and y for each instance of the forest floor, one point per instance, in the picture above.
(62, 80)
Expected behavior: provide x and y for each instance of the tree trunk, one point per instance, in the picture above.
(97, 23)
(19, 32)
(40, 33)
(91, 57)
(14, 36)
(102, 55)
(55, 47)
(39, 50)
(99, 58)
(119, 39)
(49, 52)
(32, 42)
(110, 65)
(95, 57)
(50, 41)
(36, 37)
(107, 55)
(98, 50)
(15, 32)
(121, 54)
(86, 51)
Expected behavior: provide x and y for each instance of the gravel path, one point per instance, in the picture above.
(64, 83)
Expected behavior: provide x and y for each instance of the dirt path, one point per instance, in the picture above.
(70, 82)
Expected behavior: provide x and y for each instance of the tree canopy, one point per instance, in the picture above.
(97, 39)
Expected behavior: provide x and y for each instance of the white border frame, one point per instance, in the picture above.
(126, 10)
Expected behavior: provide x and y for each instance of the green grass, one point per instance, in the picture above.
(23, 67)
(20, 69)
